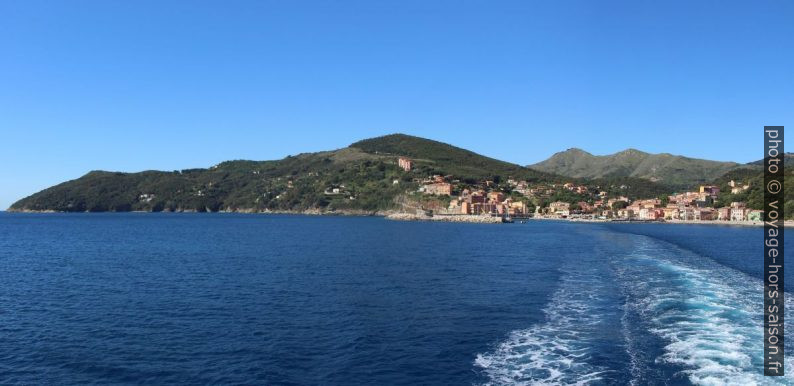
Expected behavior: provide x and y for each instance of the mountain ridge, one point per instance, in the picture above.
(363, 177)
(668, 168)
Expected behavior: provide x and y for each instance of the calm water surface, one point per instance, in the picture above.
(266, 299)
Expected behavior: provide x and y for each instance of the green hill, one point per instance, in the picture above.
(788, 158)
(363, 177)
(674, 170)
(441, 158)
(357, 178)
(754, 180)
(293, 183)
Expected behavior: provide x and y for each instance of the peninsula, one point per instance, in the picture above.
(404, 175)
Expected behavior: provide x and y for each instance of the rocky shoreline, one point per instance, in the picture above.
(445, 218)
(308, 212)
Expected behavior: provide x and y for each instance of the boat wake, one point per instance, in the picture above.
(563, 349)
(684, 319)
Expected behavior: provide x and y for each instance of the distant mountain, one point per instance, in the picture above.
(788, 158)
(356, 178)
(665, 168)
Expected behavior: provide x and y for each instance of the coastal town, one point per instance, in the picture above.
(516, 199)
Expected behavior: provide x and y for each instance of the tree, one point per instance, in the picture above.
(788, 209)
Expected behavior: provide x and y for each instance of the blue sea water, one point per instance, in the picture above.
(273, 299)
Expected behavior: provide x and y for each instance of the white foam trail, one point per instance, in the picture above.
(553, 353)
(709, 317)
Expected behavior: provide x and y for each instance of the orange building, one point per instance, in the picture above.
(496, 196)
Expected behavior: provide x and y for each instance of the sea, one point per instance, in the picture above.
(215, 298)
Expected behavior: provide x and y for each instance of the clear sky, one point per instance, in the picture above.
(136, 85)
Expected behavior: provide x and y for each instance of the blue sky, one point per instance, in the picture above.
(136, 85)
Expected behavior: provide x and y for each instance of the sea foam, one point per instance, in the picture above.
(708, 315)
(558, 351)
(700, 319)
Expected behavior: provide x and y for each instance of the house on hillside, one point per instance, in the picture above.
(439, 189)
(496, 196)
(738, 187)
(710, 190)
(405, 163)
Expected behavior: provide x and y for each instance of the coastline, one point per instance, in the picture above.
(401, 216)
(786, 223)
(445, 218)
(308, 212)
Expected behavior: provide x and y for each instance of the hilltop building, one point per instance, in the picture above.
(405, 163)
(738, 187)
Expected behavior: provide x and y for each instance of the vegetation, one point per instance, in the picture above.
(346, 179)
(362, 177)
(754, 194)
(668, 169)
(631, 187)
(432, 157)
(570, 197)
(358, 178)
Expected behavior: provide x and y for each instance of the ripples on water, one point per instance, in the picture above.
(213, 298)
(685, 318)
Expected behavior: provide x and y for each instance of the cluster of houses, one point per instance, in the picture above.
(479, 202)
(437, 186)
(687, 206)
(473, 201)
